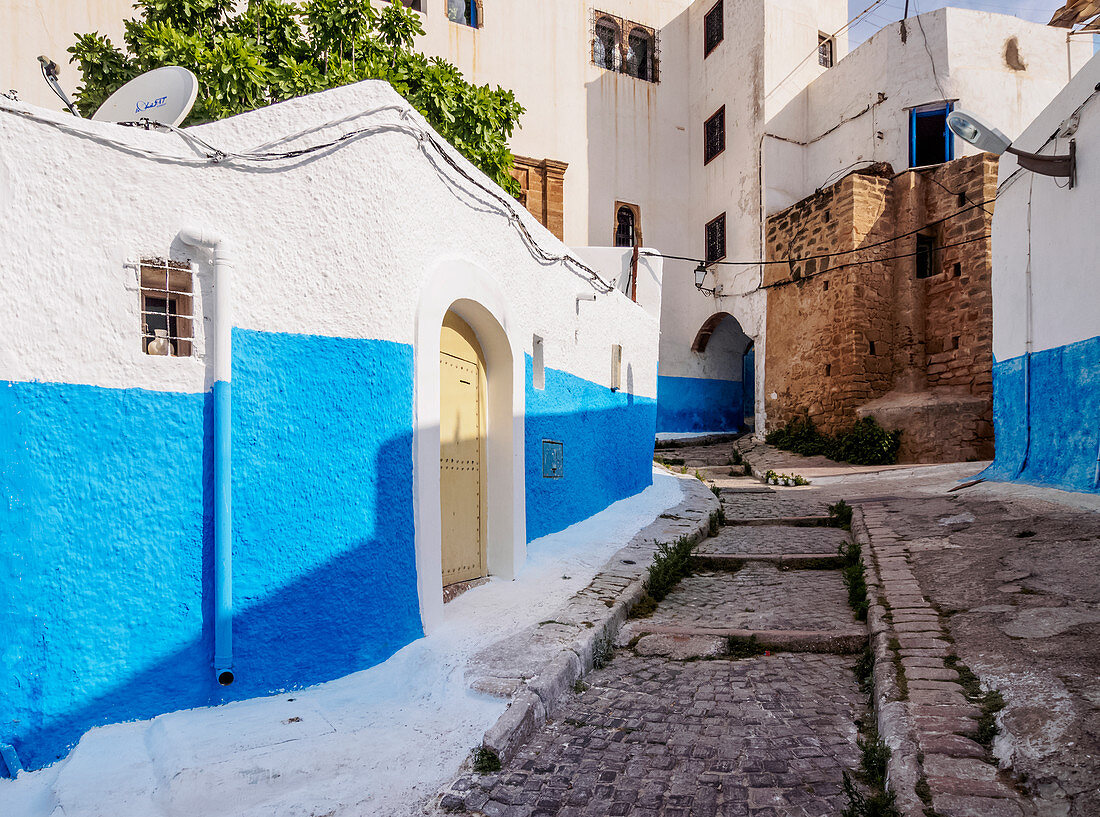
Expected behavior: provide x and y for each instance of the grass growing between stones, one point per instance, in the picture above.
(717, 519)
(899, 670)
(855, 577)
(672, 563)
(989, 702)
(869, 797)
(486, 761)
(841, 515)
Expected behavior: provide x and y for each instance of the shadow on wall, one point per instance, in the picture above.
(112, 597)
(111, 580)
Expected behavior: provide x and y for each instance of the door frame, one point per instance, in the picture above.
(458, 285)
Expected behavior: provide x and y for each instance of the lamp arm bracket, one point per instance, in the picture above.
(1059, 166)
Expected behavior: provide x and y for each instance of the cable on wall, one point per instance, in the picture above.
(207, 153)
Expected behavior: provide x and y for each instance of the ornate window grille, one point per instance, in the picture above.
(714, 135)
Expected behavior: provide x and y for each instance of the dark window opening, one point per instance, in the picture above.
(828, 370)
(955, 342)
(639, 55)
(961, 199)
(826, 286)
(625, 226)
(957, 270)
(713, 29)
(714, 135)
(871, 347)
(824, 50)
(930, 141)
(716, 239)
(464, 12)
(605, 44)
(926, 256)
(415, 5)
(626, 47)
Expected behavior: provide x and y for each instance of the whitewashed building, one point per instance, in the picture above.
(1046, 301)
(258, 411)
(681, 126)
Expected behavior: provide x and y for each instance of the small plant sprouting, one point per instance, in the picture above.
(717, 520)
(841, 514)
(671, 563)
(579, 686)
(714, 489)
(602, 651)
(486, 761)
(644, 608)
(736, 458)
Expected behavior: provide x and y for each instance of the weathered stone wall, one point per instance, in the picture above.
(858, 333)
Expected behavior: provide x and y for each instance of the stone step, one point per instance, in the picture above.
(838, 642)
(785, 561)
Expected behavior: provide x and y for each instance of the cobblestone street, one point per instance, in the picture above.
(672, 724)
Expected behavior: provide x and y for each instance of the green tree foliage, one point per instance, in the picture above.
(274, 50)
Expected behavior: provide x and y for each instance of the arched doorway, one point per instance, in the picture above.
(726, 360)
(463, 397)
(457, 288)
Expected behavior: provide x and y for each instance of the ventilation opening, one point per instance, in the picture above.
(225, 677)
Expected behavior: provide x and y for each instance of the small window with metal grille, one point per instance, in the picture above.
(605, 43)
(167, 325)
(824, 50)
(639, 54)
(626, 47)
(716, 239)
(626, 225)
(415, 5)
(714, 135)
(714, 30)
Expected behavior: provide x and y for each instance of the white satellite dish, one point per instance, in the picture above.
(163, 95)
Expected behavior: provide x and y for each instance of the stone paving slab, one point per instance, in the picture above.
(774, 539)
(783, 504)
(761, 736)
(758, 597)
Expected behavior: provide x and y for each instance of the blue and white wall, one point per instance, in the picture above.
(1046, 303)
(344, 263)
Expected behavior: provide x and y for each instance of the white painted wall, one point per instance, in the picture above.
(371, 239)
(969, 52)
(32, 27)
(1062, 241)
(614, 264)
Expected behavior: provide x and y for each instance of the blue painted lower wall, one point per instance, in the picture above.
(106, 611)
(608, 446)
(106, 594)
(1065, 418)
(693, 404)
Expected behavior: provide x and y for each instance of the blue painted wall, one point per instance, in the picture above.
(1065, 418)
(106, 581)
(608, 446)
(693, 404)
(106, 596)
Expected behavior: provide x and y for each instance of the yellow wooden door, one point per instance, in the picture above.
(461, 452)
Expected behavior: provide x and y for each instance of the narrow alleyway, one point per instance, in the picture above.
(736, 696)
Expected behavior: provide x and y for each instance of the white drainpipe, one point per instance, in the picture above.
(223, 452)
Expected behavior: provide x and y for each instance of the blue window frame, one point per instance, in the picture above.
(930, 140)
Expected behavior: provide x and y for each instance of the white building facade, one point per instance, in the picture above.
(1046, 301)
(348, 379)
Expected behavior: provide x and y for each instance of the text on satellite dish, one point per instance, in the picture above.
(142, 105)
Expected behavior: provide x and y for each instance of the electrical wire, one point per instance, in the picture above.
(788, 261)
(833, 37)
(207, 153)
(928, 50)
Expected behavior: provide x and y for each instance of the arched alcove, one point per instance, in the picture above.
(460, 289)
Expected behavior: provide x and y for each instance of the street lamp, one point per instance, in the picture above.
(700, 275)
(974, 130)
